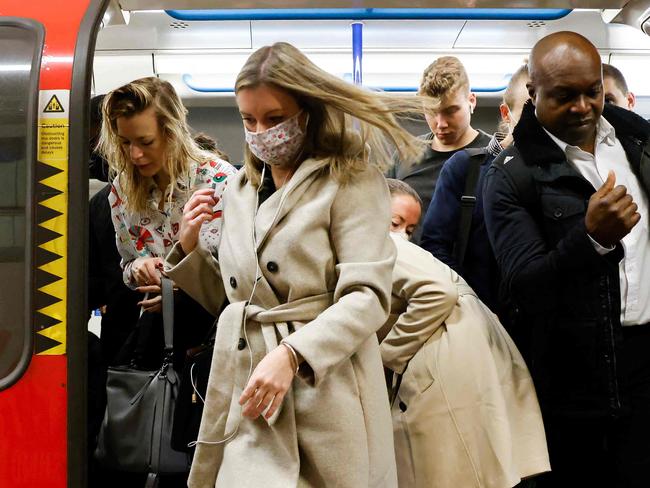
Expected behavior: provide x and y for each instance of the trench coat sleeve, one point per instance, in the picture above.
(532, 270)
(365, 254)
(425, 285)
(197, 274)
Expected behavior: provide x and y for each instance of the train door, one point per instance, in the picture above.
(45, 60)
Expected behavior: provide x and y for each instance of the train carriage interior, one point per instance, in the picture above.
(199, 46)
(200, 52)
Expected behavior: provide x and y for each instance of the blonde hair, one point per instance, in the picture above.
(519, 76)
(333, 105)
(180, 148)
(445, 76)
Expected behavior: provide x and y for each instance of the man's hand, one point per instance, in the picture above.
(611, 213)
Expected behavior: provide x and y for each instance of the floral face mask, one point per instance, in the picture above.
(280, 145)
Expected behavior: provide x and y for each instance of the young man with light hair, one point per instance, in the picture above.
(616, 90)
(446, 81)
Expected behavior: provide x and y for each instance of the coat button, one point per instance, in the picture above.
(272, 266)
(241, 344)
(233, 282)
(558, 213)
(402, 406)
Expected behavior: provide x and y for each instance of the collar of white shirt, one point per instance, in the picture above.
(605, 133)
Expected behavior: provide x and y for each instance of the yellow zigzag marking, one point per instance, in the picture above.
(58, 181)
(57, 268)
(57, 203)
(56, 311)
(56, 333)
(57, 246)
(54, 289)
(57, 224)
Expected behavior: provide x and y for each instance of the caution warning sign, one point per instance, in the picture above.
(52, 218)
(54, 105)
(53, 140)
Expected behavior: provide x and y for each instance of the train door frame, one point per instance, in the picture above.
(77, 330)
(64, 60)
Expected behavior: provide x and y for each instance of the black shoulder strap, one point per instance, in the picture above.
(468, 201)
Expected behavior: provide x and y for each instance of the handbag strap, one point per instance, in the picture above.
(168, 313)
(167, 292)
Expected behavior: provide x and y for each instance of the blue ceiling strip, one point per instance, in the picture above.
(372, 14)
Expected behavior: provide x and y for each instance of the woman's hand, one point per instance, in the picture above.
(197, 210)
(268, 384)
(146, 271)
(154, 303)
(151, 304)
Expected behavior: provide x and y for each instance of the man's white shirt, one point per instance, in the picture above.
(610, 155)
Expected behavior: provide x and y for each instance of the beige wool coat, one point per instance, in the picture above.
(325, 264)
(466, 414)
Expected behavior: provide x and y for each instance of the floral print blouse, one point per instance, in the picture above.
(153, 233)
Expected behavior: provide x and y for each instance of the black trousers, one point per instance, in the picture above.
(608, 452)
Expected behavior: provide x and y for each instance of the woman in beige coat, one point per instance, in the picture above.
(465, 413)
(305, 262)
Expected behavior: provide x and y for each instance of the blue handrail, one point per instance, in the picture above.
(187, 79)
(357, 52)
(371, 14)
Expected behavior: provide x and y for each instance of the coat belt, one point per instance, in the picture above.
(277, 318)
(222, 411)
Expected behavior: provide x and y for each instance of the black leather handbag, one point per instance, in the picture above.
(136, 432)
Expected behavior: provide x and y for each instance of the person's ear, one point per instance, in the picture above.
(505, 113)
(631, 100)
(472, 102)
(532, 92)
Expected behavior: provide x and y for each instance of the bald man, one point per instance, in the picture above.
(566, 211)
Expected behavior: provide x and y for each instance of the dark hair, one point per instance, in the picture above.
(96, 110)
(615, 74)
(207, 143)
(398, 187)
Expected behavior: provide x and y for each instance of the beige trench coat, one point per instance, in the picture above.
(466, 414)
(325, 262)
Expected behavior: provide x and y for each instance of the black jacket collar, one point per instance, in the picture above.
(538, 149)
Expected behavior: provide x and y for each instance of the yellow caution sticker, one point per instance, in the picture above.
(53, 140)
(53, 129)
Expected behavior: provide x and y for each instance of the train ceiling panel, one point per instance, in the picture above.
(520, 34)
(112, 71)
(155, 30)
(378, 34)
(201, 57)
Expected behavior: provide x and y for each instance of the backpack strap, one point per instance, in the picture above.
(468, 201)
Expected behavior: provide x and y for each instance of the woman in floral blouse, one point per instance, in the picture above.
(156, 166)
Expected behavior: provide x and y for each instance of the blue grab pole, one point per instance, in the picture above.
(357, 53)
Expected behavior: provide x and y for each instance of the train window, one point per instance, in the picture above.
(22, 43)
